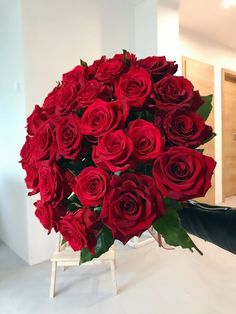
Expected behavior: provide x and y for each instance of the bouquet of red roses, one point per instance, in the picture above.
(113, 151)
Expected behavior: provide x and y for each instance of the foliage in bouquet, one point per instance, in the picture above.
(113, 151)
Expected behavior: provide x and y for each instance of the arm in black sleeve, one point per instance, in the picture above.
(215, 224)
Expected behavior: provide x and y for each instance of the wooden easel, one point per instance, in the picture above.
(65, 256)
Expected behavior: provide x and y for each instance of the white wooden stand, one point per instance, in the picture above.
(65, 256)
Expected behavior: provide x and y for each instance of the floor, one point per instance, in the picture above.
(150, 280)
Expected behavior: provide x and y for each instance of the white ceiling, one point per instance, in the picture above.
(210, 19)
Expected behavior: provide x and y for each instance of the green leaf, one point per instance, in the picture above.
(83, 63)
(200, 150)
(209, 139)
(126, 59)
(205, 108)
(170, 228)
(104, 242)
(63, 241)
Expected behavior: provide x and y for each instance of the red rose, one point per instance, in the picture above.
(49, 105)
(130, 57)
(48, 215)
(158, 67)
(131, 205)
(176, 92)
(26, 152)
(107, 71)
(92, 69)
(91, 186)
(113, 152)
(67, 98)
(134, 87)
(68, 135)
(32, 177)
(182, 173)
(146, 138)
(52, 184)
(34, 121)
(81, 229)
(90, 91)
(44, 144)
(102, 117)
(185, 128)
(78, 75)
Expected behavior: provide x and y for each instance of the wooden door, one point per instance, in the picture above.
(228, 133)
(202, 77)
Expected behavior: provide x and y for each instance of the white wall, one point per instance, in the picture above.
(197, 47)
(13, 209)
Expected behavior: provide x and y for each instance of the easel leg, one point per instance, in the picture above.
(53, 279)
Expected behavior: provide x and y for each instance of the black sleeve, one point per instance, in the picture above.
(212, 223)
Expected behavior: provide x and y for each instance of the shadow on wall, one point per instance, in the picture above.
(13, 214)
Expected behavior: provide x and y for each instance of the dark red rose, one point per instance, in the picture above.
(32, 177)
(146, 138)
(185, 128)
(134, 87)
(182, 173)
(48, 215)
(68, 135)
(81, 229)
(108, 71)
(78, 75)
(102, 117)
(90, 91)
(113, 152)
(44, 144)
(91, 186)
(37, 118)
(26, 152)
(158, 67)
(50, 102)
(130, 57)
(53, 187)
(92, 69)
(67, 98)
(176, 92)
(131, 205)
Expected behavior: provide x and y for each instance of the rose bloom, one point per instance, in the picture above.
(92, 69)
(44, 143)
(90, 91)
(113, 152)
(66, 98)
(91, 186)
(185, 128)
(102, 117)
(182, 173)
(81, 229)
(49, 105)
(131, 205)
(49, 215)
(78, 75)
(68, 136)
(176, 92)
(158, 67)
(107, 71)
(146, 138)
(131, 58)
(53, 184)
(134, 87)
(37, 118)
